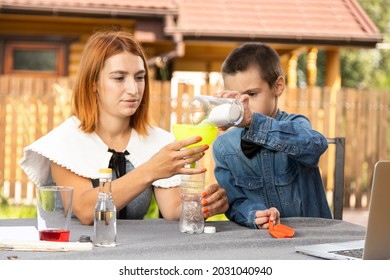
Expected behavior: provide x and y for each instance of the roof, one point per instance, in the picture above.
(165, 4)
(110, 8)
(334, 22)
(299, 20)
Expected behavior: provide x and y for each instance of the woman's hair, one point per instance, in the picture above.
(258, 55)
(99, 47)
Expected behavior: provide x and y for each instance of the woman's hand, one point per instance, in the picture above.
(214, 201)
(263, 217)
(172, 159)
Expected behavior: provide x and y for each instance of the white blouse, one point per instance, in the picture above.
(85, 153)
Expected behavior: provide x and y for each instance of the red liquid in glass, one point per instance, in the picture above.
(58, 235)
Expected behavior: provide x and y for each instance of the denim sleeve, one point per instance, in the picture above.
(292, 135)
(241, 209)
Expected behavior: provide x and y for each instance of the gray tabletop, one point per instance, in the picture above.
(160, 239)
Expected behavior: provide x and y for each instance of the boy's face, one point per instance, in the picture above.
(262, 98)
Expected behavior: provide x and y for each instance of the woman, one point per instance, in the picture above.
(110, 127)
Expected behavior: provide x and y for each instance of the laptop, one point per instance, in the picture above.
(376, 245)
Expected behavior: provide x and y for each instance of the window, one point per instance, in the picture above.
(43, 59)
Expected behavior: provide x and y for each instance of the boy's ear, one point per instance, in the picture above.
(279, 86)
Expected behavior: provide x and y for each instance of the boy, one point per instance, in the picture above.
(269, 164)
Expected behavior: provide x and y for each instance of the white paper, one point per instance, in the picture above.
(19, 233)
(45, 246)
(26, 238)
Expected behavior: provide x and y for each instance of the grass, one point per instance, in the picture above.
(153, 212)
(8, 211)
(17, 211)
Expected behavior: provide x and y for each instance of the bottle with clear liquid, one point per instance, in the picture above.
(105, 212)
(204, 109)
(191, 187)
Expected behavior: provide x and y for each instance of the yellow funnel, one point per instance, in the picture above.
(207, 132)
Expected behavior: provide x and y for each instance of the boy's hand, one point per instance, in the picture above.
(244, 98)
(263, 217)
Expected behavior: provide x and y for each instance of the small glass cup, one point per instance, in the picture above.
(205, 109)
(54, 210)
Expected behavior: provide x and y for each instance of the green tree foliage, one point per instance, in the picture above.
(360, 68)
(369, 68)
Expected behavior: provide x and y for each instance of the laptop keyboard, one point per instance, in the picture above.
(355, 253)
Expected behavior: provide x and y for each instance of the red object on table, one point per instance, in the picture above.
(280, 231)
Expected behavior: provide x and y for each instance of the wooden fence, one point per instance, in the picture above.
(30, 107)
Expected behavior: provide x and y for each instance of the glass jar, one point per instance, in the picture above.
(204, 109)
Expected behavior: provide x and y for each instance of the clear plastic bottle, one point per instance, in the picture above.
(105, 212)
(191, 219)
(204, 109)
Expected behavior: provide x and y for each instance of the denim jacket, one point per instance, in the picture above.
(284, 173)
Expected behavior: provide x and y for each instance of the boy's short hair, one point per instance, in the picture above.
(259, 55)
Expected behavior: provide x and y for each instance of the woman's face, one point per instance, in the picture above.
(121, 85)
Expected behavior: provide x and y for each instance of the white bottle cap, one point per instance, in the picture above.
(105, 173)
(209, 229)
